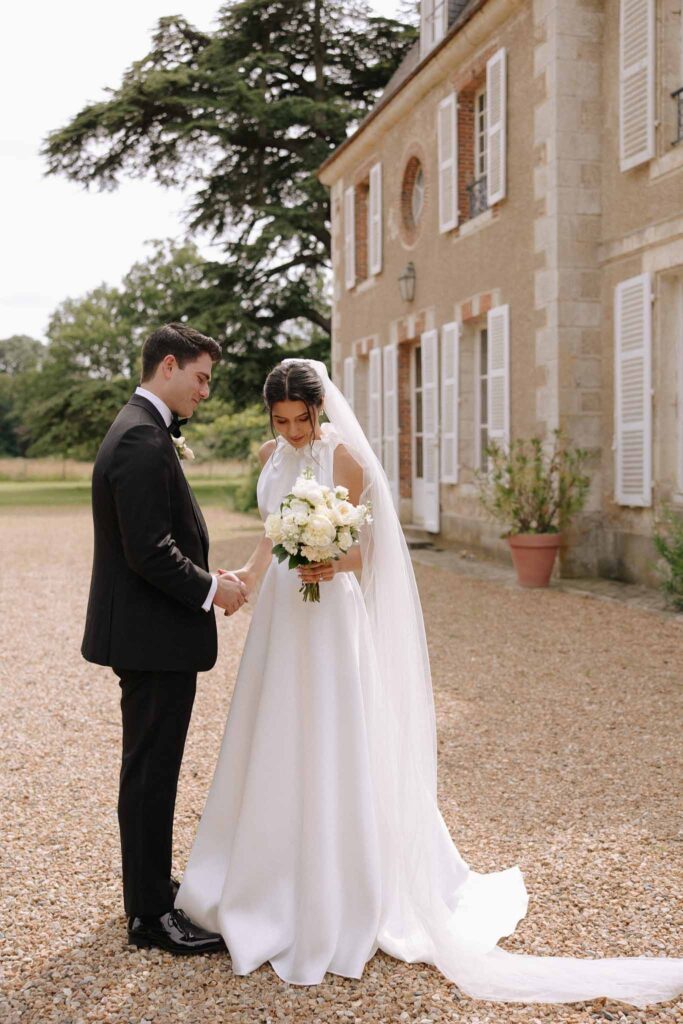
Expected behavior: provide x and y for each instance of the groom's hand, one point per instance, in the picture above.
(230, 594)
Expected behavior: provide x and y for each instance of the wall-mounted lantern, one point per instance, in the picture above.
(406, 283)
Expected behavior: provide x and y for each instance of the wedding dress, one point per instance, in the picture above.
(321, 840)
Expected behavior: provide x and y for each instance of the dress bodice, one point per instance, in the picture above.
(287, 462)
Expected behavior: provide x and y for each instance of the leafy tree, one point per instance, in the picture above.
(90, 337)
(244, 116)
(72, 422)
(9, 418)
(20, 353)
(217, 431)
(91, 361)
(20, 356)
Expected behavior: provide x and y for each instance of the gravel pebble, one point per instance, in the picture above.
(559, 723)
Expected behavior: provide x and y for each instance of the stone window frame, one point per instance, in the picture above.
(361, 191)
(668, 75)
(468, 91)
(409, 230)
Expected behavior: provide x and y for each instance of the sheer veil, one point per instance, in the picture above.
(435, 908)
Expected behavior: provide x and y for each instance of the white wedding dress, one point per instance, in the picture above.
(302, 859)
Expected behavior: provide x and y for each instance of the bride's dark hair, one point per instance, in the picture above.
(293, 382)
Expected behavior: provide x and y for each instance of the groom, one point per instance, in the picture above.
(150, 617)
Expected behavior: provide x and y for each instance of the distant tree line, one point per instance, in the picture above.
(59, 398)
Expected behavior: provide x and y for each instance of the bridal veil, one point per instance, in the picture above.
(435, 908)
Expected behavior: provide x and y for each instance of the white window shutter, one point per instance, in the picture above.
(633, 391)
(350, 237)
(450, 400)
(496, 134)
(426, 26)
(498, 371)
(443, 18)
(349, 374)
(375, 401)
(390, 418)
(375, 219)
(636, 82)
(447, 132)
(430, 429)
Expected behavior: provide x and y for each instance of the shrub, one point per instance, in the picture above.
(668, 541)
(245, 495)
(532, 491)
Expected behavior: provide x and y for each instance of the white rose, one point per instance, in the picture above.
(300, 511)
(290, 527)
(308, 490)
(348, 514)
(290, 546)
(341, 492)
(314, 554)
(345, 540)
(319, 531)
(273, 528)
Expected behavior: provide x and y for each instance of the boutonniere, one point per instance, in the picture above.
(182, 449)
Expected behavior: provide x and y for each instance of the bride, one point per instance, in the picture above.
(321, 840)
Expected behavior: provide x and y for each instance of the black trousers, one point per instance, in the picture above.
(156, 709)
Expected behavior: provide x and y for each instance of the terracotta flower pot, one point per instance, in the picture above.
(533, 556)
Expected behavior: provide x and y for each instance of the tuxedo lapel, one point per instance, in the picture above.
(201, 522)
(143, 403)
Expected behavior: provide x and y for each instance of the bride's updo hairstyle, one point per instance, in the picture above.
(294, 382)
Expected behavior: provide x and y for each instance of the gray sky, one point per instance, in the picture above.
(59, 240)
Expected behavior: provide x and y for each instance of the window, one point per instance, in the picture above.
(363, 228)
(414, 192)
(472, 147)
(418, 195)
(433, 24)
(482, 402)
(677, 94)
(361, 220)
(480, 134)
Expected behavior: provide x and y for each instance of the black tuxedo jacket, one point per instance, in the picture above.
(150, 568)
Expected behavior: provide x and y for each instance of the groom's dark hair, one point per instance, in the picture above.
(179, 340)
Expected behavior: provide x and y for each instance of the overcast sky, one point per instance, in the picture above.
(59, 240)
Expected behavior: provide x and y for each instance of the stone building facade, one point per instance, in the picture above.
(507, 230)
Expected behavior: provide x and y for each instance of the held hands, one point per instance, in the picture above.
(248, 579)
(231, 592)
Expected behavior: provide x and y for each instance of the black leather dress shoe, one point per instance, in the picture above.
(174, 932)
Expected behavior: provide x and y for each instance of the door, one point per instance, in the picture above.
(418, 438)
(426, 432)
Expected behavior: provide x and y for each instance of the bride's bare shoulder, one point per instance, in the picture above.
(348, 472)
(266, 450)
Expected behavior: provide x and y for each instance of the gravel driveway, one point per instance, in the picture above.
(559, 740)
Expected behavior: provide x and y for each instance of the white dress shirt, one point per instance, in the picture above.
(167, 416)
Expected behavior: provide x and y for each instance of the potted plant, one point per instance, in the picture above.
(535, 492)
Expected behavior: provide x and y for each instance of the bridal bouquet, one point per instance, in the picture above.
(315, 524)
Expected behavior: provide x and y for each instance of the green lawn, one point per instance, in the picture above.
(77, 492)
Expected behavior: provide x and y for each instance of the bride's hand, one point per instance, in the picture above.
(248, 578)
(317, 572)
(242, 575)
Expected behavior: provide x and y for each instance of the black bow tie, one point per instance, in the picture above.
(175, 425)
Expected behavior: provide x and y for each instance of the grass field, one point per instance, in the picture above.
(209, 491)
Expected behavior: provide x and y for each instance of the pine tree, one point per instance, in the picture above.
(243, 116)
